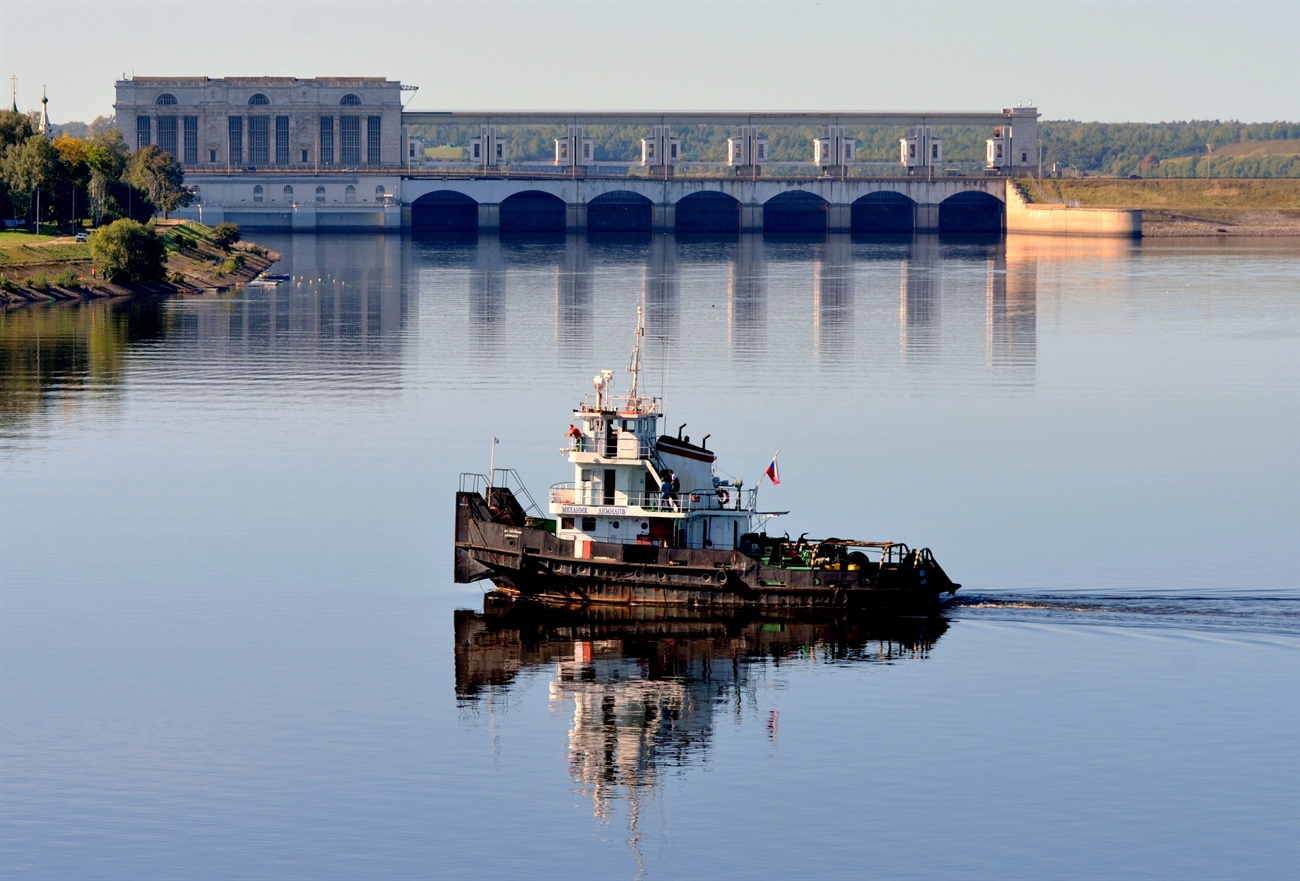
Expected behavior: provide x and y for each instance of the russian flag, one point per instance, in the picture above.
(771, 472)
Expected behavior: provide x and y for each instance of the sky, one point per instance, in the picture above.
(1107, 61)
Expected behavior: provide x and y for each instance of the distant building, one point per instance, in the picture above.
(276, 152)
(264, 122)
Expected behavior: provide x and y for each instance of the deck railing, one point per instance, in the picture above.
(709, 499)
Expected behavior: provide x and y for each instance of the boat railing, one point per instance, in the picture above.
(625, 445)
(501, 477)
(726, 498)
(642, 405)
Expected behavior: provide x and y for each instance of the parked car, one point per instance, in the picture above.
(82, 237)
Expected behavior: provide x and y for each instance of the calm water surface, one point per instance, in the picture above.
(230, 646)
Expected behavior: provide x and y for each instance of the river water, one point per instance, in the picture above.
(230, 645)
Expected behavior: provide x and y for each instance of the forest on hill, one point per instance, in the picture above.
(1164, 149)
(1207, 148)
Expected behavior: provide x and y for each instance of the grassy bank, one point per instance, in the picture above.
(39, 268)
(1172, 194)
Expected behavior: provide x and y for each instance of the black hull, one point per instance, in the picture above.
(531, 563)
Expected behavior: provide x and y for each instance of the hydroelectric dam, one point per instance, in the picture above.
(339, 153)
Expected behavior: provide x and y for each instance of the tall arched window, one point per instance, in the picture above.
(257, 193)
(288, 194)
(165, 98)
(379, 194)
(320, 194)
(350, 194)
(351, 101)
(259, 100)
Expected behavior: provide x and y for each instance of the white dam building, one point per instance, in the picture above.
(276, 151)
(334, 153)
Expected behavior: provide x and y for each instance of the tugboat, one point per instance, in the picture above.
(647, 520)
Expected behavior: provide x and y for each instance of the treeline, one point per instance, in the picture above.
(1124, 148)
(71, 179)
(1166, 149)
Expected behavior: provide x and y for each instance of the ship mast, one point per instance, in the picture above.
(634, 366)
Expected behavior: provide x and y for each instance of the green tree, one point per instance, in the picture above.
(106, 156)
(15, 128)
(224, 235)
(127, 251)
(29, 166)
(154, 172)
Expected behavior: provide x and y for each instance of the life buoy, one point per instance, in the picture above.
(723, 497)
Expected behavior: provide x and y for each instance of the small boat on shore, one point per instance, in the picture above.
(648, 520)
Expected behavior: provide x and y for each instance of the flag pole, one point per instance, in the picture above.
(764, 474)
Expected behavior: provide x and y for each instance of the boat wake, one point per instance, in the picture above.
(1273, 615)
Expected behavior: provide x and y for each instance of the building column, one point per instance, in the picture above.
(663, 217)
(489, 216)
(575, 217)
(925, 217)
(751, 217)
(839, 218)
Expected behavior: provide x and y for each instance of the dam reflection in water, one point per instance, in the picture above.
(350, 310)
(645, 686)
(973, 301)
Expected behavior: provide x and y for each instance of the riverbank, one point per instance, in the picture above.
(40, 269)
(1199, 207)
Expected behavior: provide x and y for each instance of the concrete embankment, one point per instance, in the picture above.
(1174, 207)
(1026, 216)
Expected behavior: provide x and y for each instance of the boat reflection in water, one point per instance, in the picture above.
(645, 683)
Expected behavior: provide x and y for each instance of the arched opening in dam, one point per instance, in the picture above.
(532, 211)
(795, 211)
(620, 211)
(708, 212)
(883, 212)
(971, 212)
(444, 211)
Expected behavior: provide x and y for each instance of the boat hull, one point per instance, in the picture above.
(529, 562)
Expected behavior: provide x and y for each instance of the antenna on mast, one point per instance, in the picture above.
(634, 366)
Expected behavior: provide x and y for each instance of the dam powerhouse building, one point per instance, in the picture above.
(337, 153)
